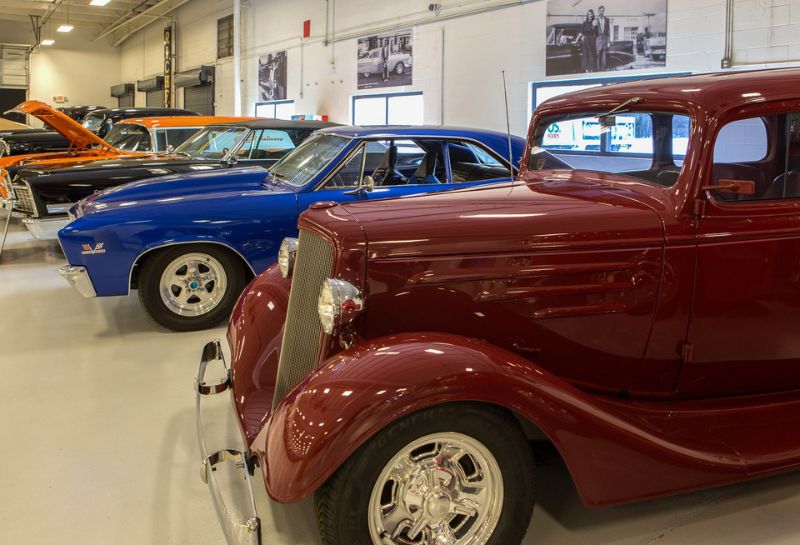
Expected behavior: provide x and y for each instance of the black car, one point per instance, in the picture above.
(102, 121)
(31, 141)
(45, 193)
(79, 112)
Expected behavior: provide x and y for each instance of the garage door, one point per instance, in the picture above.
(126, 101)
(154, 99)
(199, 98)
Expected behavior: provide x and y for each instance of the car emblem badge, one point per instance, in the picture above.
(97, 249)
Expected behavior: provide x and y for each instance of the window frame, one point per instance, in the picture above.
(274, 104)
(225, 50)
(753, 208)
(386, 97)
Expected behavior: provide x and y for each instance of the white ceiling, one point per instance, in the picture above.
(117, 19)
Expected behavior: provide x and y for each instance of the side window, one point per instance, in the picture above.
(471, 163)
(176, 137)
(161, 139)
(272, 144)
(247, 145)
(349, 174)
(763, 151)
(399, 162)
(743, 141)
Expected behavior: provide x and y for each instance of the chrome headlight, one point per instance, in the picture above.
(287, 255)
(339, 303)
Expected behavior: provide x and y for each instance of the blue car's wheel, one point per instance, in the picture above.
(190, 287)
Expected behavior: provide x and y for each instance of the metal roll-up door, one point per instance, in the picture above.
(154, 99)
(126, 101)
(199, 98)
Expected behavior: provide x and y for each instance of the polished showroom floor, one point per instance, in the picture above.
(98, 431)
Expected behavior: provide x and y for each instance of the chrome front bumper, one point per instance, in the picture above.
(79, 279)
(45, 229)
(241, 530)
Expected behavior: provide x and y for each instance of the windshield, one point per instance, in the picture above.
(129, 137)
(212, 142)
(298, 167)
(649, 146)
(93, 122)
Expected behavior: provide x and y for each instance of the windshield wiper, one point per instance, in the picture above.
(621, 107)
(182, 154)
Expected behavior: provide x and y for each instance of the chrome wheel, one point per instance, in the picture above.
(193, 284)
(442, 489)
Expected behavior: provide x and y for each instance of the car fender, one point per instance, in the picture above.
(611, 454)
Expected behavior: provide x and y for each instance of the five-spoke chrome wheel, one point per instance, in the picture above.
(442, 489)
(193, 284)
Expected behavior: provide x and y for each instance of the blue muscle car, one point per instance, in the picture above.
(189, 242)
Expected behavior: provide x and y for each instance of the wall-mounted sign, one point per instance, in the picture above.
(60, 99)
(606, 35)
(272, 76)
(385, 60)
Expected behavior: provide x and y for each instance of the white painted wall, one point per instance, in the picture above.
(75, 67)
(457, 61)
(84, 77)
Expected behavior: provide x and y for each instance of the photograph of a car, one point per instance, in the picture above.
(385, 60)
(613, 35)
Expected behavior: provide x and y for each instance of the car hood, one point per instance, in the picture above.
(77, 135)
(179, 188)
(566, 210)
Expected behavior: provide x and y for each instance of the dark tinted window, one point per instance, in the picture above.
(763, 151)
(470, 163)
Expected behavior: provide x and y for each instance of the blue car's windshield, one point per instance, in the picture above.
(298, 167)
(212, 142)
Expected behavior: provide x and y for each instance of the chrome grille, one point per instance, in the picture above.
(302, 330)
(24, 200)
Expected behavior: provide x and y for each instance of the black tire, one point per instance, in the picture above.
(342, 503)
(150, 278)
(399, 68)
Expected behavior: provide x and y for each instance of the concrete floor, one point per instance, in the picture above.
(99, 435)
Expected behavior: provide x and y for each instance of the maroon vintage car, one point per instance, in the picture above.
(638, 309)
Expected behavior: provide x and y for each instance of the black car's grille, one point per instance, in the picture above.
(24, 200)
(302, 330)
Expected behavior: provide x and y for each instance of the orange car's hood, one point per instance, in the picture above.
(74, 132)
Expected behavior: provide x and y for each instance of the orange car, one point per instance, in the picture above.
(134, 137)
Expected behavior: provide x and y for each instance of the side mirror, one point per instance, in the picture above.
(368, 184)
(232, 160)
(736, 187)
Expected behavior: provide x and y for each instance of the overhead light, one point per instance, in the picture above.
(99, 2)
(48, 42)
(65, 28)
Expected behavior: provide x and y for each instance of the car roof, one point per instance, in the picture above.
(709, 92)
(142, 112)
(266, 123)
(182, 121)
(355, 131)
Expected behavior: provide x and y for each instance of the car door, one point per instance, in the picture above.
(743, 334)
(342, 182)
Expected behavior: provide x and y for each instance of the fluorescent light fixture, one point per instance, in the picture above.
(65, 28)
(48, 42)
(99, 2)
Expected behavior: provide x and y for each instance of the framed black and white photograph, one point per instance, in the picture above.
(385, 60)
(586, 36)
(272, 76)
